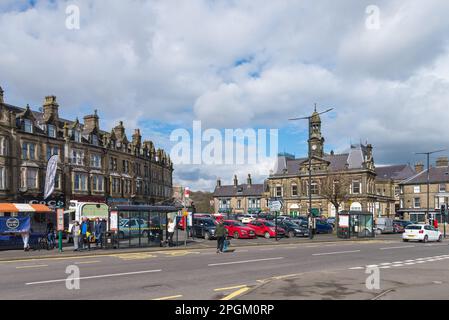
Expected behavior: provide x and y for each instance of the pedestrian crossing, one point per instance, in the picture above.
(397, 264)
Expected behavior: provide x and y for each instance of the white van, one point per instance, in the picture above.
(384, 225)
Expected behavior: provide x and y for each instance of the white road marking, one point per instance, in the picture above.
(372, 266)
(385, 264)
(356, 268)
(409, 263)
(95, 277)
(338, 252)
(398, 265)
(244, 261)
(402, 247)
(385, 267)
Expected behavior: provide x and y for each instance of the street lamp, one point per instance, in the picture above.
(428, 179)
(309, 118)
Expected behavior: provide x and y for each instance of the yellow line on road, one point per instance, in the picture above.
(236, 293)
(87, 262)
(169, 298)
(230, 288)
(35, 266)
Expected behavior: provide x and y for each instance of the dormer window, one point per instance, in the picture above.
(77, 136)
(28, 126)
(95, 140)
(51, 131)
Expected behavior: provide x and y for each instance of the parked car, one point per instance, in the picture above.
(323, 227)
(293, 230)
(332, 221)
(266, 228)
(133, 228)
(238, 230)
(384, 225)
(266, 216)
(421, 232)
(399, 225)
(204, 228)
(247, 218)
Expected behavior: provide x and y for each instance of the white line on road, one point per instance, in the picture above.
(338, 252)
(34, 266)
(94, 277)
(244, 261)
(402, 247)
(385, 264)
(356, 268)
(398, 265)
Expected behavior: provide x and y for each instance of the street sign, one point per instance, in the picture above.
(60, 219)
(113, 221)
(315, 212)
(275, 205)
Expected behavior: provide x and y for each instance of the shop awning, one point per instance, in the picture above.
(23, 207)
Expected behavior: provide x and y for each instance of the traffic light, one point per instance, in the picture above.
(443, 213)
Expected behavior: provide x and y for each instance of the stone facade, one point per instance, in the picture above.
(94, 165)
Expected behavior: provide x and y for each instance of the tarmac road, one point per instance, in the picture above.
(291, 271)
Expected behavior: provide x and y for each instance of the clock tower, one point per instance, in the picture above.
(316, 141)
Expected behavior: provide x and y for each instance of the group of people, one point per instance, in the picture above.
(82, 233)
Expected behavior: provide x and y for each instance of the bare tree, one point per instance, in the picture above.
(335, 189)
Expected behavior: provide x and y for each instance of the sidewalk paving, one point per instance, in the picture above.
(14, 255)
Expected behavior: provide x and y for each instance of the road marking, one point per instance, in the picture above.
(235, 293)
(338, 252)
(87, 262)
(230, 288)
(372, 266)
(385, 264)
(287, 276)
(385, 267)
(409, 260)
(409, 263)
(398, 265)
(402, 247)
(35, 266)
(95, 277)
(421, 261)
(268, 249)
(398, 262)
(356, 268)
(168, 298)
(244, 261)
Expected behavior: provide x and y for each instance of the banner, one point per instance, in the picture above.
(15, 224)
(52, 168)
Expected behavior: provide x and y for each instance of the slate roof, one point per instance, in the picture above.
(395, 172)
(436, 175)
(243, 190)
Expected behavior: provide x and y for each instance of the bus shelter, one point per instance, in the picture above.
(358, 224)
(142, 225)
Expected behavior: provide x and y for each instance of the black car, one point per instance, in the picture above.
(204, 228)
(293, 230)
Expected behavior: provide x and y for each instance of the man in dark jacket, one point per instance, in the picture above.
(220, 233)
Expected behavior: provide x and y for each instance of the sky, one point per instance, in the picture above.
(160, 65)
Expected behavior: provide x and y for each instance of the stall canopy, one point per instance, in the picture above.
(23, 207)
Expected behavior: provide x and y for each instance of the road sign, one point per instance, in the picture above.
(275, 205)
(60, 219)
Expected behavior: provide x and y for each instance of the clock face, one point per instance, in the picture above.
(314, 146)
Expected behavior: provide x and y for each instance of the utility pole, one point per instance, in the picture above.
(428, 180)
(309, 118)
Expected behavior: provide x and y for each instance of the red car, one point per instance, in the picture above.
(265, 228)
(238, 230)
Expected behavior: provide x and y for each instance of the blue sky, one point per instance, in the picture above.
(160, 65)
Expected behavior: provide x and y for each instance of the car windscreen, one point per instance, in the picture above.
(269, 224)
(413, 228)
(239, 224)
(291, 224)
(208, 222)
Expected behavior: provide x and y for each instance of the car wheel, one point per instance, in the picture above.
(426, 238)
(267, 235)
(145, 234)
(440, 238)
(236, 235)
(405, 240)
(206, 236)
(378, 231)
(291, 234)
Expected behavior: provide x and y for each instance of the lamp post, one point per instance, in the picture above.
(309, 118)
(428, 179)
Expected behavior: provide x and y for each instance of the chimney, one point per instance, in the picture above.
(236, 182)
(419, 167)
(91, 122)
(137, 138)
(50, 109)
(119, 130)
(1, 95)
(442, 162)
(218, 183)
(249, 181)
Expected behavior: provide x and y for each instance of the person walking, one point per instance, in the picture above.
(26, 238)
(220, 233)
(76, 230)
(97, 231)
(85, 234)
(171, 231)
(51, 234)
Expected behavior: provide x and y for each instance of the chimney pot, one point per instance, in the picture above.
(419, 167)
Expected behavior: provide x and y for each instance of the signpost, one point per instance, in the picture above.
(275, 205)
(60, 228)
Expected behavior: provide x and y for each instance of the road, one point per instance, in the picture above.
(293, 271)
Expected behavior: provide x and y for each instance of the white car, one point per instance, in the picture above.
(247, 218)
(421, 232)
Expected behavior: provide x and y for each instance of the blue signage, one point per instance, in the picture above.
(15, 224)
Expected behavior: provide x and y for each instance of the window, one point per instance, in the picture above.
(95, 140)
(77, 136)
(95, 161)
(113, 164)
(356, 187)
(278, 191)
(397, 191)
(139, 187)
(239, 204)
(98, 183)
(51, 131)
(116, 185)
(294, 190)
(314, 188)
(3, 146)
(225, 204)
(80, 182)
(417, 202)
(52, 151)
(2, 178)
(417, 189)
(29, 178)
(127, 186)
(442, 187)
(28, 151)
(254, 203)
(28, 126)
(77, 157)
(58, 181)
(125, 166)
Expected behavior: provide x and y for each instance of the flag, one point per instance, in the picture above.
(52, 167)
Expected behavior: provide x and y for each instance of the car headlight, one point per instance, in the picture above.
(297, 230)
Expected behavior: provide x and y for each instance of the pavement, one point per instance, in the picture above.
(301, 270)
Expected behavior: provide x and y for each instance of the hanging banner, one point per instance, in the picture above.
(52, 168)
(15, 224)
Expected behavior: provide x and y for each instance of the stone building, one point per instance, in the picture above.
(94, 165)
(413, 192)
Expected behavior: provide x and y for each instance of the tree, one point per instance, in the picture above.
(335, 189)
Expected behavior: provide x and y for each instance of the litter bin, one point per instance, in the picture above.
(110, 240)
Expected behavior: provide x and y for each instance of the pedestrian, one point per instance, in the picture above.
(220, 233)
(76, 235)
(435, 223)
(51, 234)
(26, 238)
(98, 231)
(171, 231)
(104, 226)
(85, 233)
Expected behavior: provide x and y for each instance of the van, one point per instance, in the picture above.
(384, 225)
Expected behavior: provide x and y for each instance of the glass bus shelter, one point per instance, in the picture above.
(358, 224)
